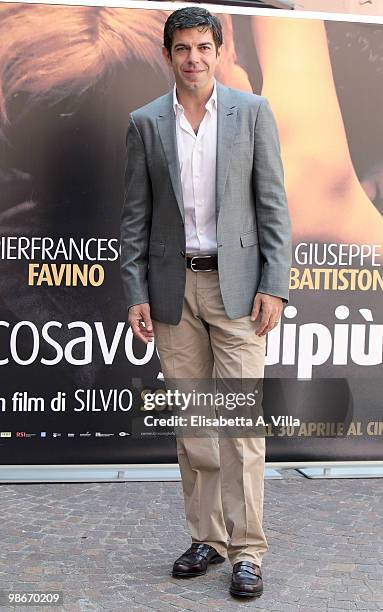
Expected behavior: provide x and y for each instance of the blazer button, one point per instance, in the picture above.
(182, 253)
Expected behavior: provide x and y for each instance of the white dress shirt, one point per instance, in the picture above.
(197, 155)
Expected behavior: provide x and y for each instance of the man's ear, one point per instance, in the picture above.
(219, 52)
(166, 55)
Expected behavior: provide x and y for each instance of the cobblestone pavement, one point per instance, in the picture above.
(110, 546)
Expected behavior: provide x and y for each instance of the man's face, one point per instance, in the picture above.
(193, 59)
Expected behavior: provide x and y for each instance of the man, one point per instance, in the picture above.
(205, 257)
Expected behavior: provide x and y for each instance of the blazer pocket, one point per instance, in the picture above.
(156, 248)
(241, 141)
(249, 238)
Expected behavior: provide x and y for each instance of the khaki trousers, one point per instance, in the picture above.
(222, 478)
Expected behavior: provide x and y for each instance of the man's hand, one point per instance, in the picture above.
(270, 308)
(140, 322)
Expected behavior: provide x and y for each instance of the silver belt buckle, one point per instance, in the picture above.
(200, 257)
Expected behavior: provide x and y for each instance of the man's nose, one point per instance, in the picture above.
(193, 55)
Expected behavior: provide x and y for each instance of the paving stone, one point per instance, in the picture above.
(111, 546)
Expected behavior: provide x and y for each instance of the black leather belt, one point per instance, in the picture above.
(202, 263)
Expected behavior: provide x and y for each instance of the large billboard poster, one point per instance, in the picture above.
(71, 376)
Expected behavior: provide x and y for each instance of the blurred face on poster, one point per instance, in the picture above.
(193, 59)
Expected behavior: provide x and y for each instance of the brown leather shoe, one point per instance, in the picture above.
(195, 560)
(246, 580)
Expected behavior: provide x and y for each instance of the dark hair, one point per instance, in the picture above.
(192, 17)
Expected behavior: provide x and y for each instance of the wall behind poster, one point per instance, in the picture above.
(71, 374)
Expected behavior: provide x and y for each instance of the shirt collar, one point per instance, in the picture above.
(209, 104)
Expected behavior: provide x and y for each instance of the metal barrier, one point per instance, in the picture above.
(170, 472)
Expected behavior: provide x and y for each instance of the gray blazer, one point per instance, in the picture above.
(253, 226)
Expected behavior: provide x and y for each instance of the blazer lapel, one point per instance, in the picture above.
(226, 130)
(167, 130)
